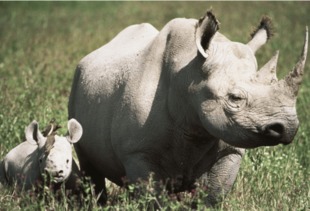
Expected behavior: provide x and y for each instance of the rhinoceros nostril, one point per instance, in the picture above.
(274, 130)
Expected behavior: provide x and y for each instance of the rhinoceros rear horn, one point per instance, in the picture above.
(294, 78)
(261, 34)
(267, 74)
(206, 27)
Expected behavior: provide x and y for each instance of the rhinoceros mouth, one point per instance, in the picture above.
(58, 179)
(271, 134)
(250, 144)
(271, 141)
(55, 177)
(258, 139)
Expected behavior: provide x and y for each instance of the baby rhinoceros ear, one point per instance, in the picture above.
(33, 134)
(75, 131)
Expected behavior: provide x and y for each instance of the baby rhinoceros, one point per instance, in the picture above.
(28, 163)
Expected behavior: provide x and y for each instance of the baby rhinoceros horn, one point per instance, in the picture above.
(294, 78)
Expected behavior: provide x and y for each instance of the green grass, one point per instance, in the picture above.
(42, 42)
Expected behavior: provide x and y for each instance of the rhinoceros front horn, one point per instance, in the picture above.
(294, 78)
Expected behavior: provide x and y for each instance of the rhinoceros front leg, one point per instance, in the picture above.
(88, 170)
(137, 167)
(222, 175)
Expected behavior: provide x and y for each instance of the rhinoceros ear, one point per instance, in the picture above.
(206, 27)
(75, 131)
(261, 34)
(33, 134)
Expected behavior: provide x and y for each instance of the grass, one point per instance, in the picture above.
(42, 42)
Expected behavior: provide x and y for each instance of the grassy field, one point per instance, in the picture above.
(42, 42)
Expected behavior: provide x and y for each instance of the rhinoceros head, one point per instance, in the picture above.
(55, 152)
(236, 103)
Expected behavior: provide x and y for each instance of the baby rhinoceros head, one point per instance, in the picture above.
(56, 158)
(55, 152)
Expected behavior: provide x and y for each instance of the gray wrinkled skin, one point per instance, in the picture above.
(180, 102)
(26, 163)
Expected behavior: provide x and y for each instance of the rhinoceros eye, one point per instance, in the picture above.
(235, 97)
(236, 100)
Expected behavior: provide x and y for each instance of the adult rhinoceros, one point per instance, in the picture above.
(180, 102)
